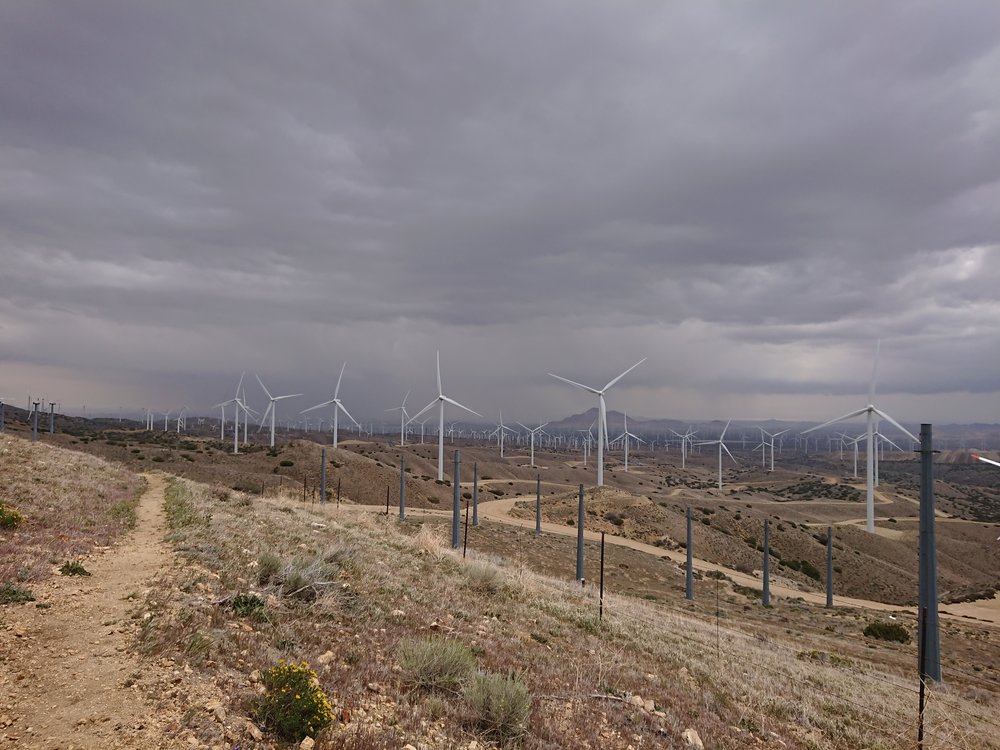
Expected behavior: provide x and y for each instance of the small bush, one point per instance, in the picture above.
(268, 567)
(888, 631)
(73, 568)
(13, 594)
(809, 569)
(485, 578)
(294, 706)
(124, 513)
(435, 663)
(500, 706)
(286, 463)
(9, 518)
(248, 605)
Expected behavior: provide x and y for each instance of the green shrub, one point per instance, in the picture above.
(13, 594)
(809, 569)
(73, 568)
(9, 518)
(294, 705)
(888, 631)
(268, 567)
(435, 663)
(248, 605)
(500, 706)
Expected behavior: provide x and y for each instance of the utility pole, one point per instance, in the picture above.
(929, 635)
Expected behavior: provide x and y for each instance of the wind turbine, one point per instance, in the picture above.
(402, 418)
(271, 406)
(625, 436)
(777, 434)
(532, 433)
(870, 411)
(440, 401)
(337, 407)
(686, 440)
(602, 417)
(499, 432)
(722, 446)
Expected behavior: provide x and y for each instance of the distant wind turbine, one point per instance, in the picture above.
(499, 432)
(722, 447)
(441, 400)
(532, 433)
(870, 411)
(337, 407)
(271, 406)
(402, 419)
(625, 436)
(602, 415)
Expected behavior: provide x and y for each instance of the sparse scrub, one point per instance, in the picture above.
(11, 593)
(73, 568)
(500, 705)
(9, 518)
(435, 663)
(887, 631)
(294, 705)
(248, 605)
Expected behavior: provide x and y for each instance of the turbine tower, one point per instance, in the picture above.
(402, 419)
(337, 407)
(602, 417)
(870, 411)
(270, 407)
(440, 401)
(499, 432)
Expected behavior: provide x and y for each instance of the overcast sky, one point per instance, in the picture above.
(748, 194)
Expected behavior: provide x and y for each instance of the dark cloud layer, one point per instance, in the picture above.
(750, 194)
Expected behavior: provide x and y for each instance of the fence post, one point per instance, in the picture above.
(338, 492)
(538, 505)
(579, 537)
(456, 511)
(766, 594)
(465, 542)
(402, 488)
(304, 478)
(600, 613)
(689, 575)
(928, 599)
(475, 495)
(322, 477)
(829, 567)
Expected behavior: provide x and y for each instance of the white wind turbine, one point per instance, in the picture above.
(722, 446)
(602, 417)
(532, 433)
(771, 442)
(499, 432)
(625, 436)
(337, 407)
(271, 406)
(402, 419)
(440, 401)
(686, 440)
(870, 411)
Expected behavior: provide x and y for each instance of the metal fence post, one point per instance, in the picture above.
(766, 594)
(579, 537)
(456, 511)
(829, 567)
(689, 574)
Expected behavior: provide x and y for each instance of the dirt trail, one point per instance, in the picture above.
(66, 678)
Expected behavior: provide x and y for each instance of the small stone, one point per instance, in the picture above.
(690, 736)
(326, 658)
(635, 700)
(397, 614)
(649, 705)
(307, 744)
(254, 732)
(373, 686)
(255, 676)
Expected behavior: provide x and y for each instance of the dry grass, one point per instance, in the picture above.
(71, 503)
(386, 582)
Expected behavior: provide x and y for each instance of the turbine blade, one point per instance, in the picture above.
(240, 384)
(852, 415)
(344, 409)
(723, 435)
(897, 424)
(440, 391)
(262, 385)
(871, 385)
(289, 395)
(336, 391)
(404, 400)
(318, 406)
(453, 402)
(727, 451)
(624, 374)
(422, 411)
(578, 385)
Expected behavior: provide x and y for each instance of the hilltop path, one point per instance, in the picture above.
(67, 680)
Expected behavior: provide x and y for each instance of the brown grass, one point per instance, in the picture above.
(71, 504)
(394, 582)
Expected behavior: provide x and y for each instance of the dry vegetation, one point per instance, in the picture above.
(349, 593)
(70, 503)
